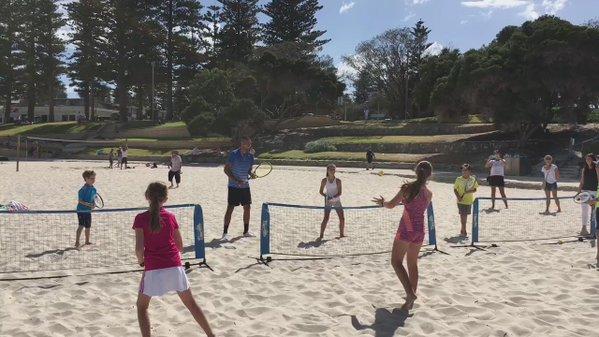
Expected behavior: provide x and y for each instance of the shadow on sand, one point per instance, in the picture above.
(385, 322)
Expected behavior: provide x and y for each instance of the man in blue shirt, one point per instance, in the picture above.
(239, 171)
(85, 204)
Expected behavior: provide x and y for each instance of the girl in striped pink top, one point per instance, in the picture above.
(415, 197)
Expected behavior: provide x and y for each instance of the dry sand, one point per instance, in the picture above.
(515, 289)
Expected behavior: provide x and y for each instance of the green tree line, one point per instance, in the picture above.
(543, 71)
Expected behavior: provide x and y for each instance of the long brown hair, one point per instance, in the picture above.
(156, 193)
(330, 166)
(410, 190)
(593, 165)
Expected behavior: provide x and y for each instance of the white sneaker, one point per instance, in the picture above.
(225, 238)
(248, 234)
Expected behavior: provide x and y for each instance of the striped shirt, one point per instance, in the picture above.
(241, 164)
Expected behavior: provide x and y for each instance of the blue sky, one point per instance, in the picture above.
(454, 23)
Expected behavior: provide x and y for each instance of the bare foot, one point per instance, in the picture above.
(88, 243)
(318, 239)
(559, 210)
(584, 232)
(77, 244)
(463, 234)
(410, 299)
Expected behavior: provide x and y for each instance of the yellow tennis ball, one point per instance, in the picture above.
(381, 173)
(560, 242)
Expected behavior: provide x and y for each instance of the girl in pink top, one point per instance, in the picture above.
(158, 246)
(415, 197)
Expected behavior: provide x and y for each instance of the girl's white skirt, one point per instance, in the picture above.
(158, 282)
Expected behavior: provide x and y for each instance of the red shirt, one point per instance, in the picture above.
(160, 250)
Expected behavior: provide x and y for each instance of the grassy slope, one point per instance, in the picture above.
(349, 156)
(395, 139)
(47, 128)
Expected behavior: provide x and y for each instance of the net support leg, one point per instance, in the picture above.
(264, 260)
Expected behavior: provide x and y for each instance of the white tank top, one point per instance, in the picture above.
(331, 188)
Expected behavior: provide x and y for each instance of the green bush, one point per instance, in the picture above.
(319, 146)
(202, 124)
(195, 109)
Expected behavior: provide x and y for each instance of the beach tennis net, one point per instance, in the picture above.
(526, 220)
(294, 229)
(35, 241)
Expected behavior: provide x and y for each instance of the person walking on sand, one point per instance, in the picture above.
(416, 198)
(175, 169)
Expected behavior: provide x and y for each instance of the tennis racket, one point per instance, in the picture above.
(98, 201)
(261, 170)
(584, 198)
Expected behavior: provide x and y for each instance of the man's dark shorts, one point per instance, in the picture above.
(239, 196)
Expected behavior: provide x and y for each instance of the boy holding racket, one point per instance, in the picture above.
(85, 204)
(464, 188)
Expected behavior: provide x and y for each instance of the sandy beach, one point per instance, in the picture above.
(515, 289)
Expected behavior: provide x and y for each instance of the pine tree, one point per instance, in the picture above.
(122, 17)
(212, 19)
(51, 48)
(9, 25)
(87, 20)
(239, 32)
(294, 21)
(183, 24)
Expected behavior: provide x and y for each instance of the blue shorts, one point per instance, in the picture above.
(85, 219)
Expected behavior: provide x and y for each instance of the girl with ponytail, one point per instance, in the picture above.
(158, 246)
(415, 197)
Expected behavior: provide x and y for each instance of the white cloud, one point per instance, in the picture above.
(344, 70)
(434, 49)
(530, 12)
(419, 2)
(346, 7)
(554, 6)
(463, 22)
(530, 9)
(500, 4)
(409, 16)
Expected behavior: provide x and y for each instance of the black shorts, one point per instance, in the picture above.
(496, 181)
(369, 160)
(176, 175)
(464, 209)
(239, 196)
(85, 219)
(550, 187)
(124, 161)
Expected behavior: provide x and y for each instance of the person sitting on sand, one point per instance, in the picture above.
(330, 189)
(158, 247)
(464, 188)
(416, 198)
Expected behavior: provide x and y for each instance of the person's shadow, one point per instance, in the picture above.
(385, 322)
(456, 239)
(311, 244)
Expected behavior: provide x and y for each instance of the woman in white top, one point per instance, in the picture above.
(496, 178)
(551, 177)
(330, 189)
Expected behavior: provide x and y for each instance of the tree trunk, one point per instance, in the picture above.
(8, 100)
(122, 99)
(86, 100)
(140, 103)
(51, 101)
(169, 66)
(31, 101)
